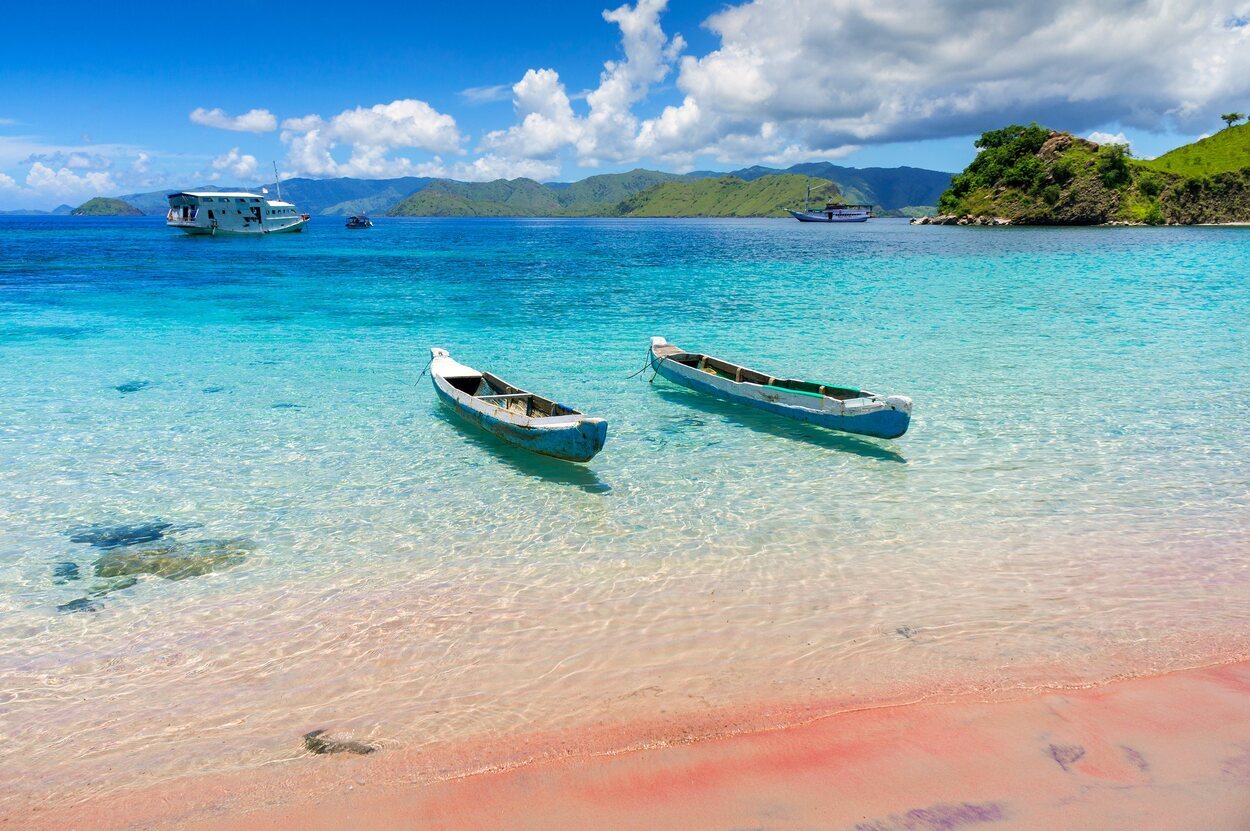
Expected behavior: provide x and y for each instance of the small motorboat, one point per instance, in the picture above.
(361, 221)
(838, 408)
(522, 418)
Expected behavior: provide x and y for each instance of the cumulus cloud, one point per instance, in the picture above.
(252, 121)
(74, 160)
(1099, 137)
(607, 132)
(832, 73)
(7, 181)
(65, 182)
(372, 133)
(240, 166)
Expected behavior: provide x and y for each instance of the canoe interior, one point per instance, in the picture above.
(724, 369)
(502, 394)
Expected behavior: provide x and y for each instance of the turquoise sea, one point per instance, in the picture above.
(232, 510)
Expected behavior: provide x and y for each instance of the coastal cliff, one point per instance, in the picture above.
(1034, 176)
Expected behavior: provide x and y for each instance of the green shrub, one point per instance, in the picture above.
(1025, 173)
(1113, 165)
(1149, 184)
(1051, 195)
(1061, 171)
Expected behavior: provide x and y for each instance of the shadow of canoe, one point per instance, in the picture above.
(522, 461)
(778, 426)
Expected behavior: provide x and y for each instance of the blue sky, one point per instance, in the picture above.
(104, 101)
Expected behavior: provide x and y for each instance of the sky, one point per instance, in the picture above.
(101, 99)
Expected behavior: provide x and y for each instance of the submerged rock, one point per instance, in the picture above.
(173, 560)
(62, 573)
(82, 604)
(115, 584)
(315, 743)
(117, 536)
(132, 386)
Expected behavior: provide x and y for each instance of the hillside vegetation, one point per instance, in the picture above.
(1033, 176)
(104, 206)
(895, 191)
(726, 196)
(1225, 152)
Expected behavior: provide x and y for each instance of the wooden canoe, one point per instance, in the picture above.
(522, 418)
(837, 408)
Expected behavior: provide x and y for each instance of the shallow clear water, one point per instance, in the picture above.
(1071, 502)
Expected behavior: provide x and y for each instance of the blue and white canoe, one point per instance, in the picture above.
(522, 418)
(838, 408)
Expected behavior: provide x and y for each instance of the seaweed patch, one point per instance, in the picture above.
(940, 817)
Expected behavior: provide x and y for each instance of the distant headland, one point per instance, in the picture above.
(1029, 175)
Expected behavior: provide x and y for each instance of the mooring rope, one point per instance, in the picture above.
(645, 363)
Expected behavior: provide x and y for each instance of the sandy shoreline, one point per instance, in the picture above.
(1170, 751)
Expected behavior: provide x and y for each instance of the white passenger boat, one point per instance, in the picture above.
(234, 212)
(237, 212)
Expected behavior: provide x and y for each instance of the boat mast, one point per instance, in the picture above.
(807, 199)
(277, 183)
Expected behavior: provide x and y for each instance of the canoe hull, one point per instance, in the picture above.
(575, 442)
(883, 422)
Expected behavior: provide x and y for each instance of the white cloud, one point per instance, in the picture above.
(65, 182)
(241, 167)
(831, 73)
(7, 181)
(608, 132)
(485, 95)
(252, 121)
(373, 133)
(1099, 137)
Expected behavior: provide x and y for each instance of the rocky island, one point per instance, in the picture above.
(106, 206)
(1029, 175)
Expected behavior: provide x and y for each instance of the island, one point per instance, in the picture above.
(106, 206)
(1030, 175)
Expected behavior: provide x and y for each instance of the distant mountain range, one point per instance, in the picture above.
(60, 210)
(892, 190)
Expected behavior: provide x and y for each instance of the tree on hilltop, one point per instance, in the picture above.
(1231, 118)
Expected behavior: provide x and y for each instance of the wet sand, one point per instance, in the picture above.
(1165, 752)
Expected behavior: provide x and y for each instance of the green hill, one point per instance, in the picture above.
(892, 189)
(725, 196)
(1034, 176)
(104, 206)
(1225, 152)
(594, 193)
(503, 197)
